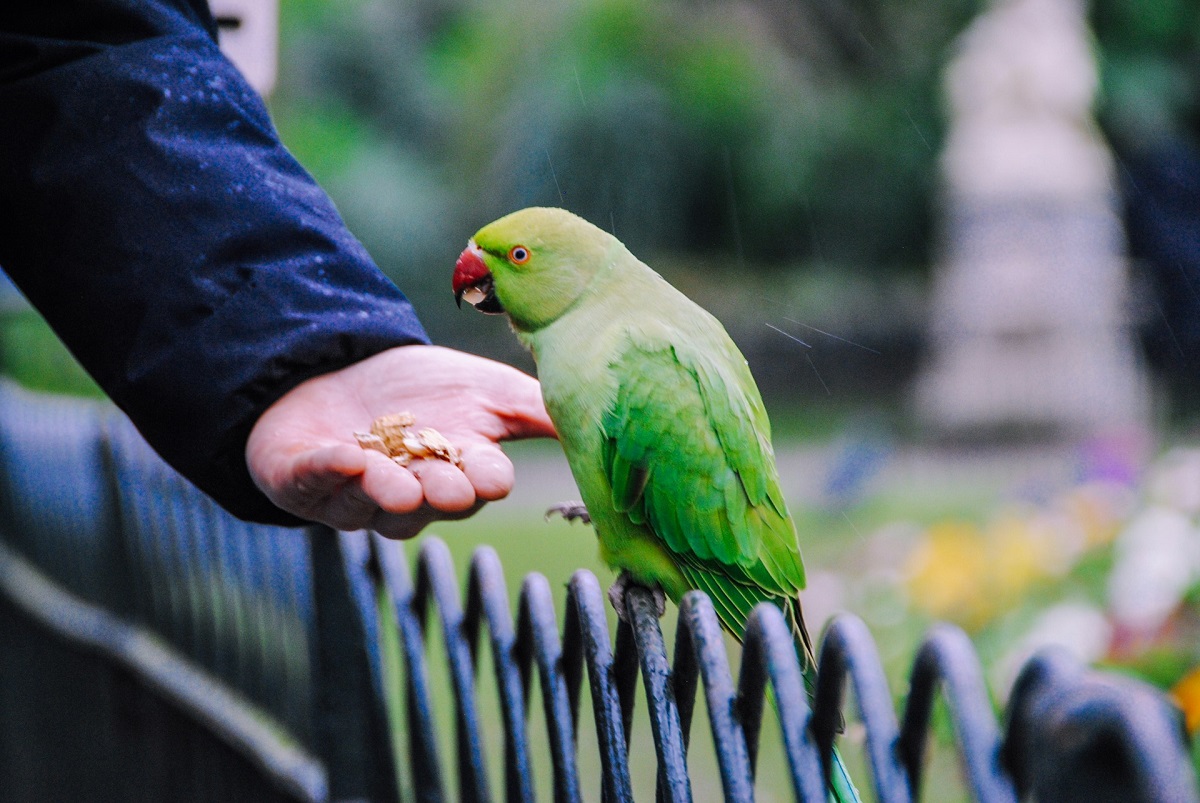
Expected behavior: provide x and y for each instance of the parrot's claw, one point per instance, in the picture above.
(616, 595)
(571, 511)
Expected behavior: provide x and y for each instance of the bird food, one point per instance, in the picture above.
(397, 437)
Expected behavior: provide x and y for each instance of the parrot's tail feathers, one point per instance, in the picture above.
(804, 646)
(841, 787)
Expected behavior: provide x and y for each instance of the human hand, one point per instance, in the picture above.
(302, 453)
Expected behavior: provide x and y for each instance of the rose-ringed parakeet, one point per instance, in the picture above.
(661, 422)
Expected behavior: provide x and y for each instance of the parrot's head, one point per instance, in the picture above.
(531, 265)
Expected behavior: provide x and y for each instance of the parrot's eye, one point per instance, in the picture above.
(518, 255)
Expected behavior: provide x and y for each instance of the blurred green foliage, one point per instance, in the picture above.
(1150, 69)
(771, 132)
(683, 126)
(35, 357)
(719, 139)
(742, 138)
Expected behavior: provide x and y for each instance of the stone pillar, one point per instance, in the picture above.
(1030, 329)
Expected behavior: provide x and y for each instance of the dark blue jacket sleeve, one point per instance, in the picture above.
(150, 213)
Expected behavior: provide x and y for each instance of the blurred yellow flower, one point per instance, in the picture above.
(969, 575)
(945, 570)
(1186, 694)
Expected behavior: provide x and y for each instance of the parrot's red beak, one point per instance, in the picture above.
(473, 281)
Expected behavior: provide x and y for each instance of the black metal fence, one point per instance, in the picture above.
(153, 648)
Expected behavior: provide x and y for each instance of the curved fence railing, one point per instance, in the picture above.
(1142, 758)
(151, 648)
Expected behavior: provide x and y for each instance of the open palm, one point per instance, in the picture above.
(302, 453)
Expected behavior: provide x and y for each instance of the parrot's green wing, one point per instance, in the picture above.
(687, 451)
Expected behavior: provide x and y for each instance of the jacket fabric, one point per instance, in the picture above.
(150, 213)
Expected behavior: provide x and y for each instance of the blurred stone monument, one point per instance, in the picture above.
(1030, 330)
(248, 32)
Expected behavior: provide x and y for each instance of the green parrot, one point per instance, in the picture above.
(661, 422)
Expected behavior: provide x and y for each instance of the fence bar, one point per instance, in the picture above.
(538, 641)
(625, 674)
(701, 631)
(769, 655)
(585, 634)
(424, 762)
(947, 658)
(436, 583)
(849, 651)
(350, 710)
(239, 723)
(673, 783)
(1074, 735)
(487, 599)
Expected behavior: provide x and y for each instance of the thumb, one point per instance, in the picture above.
(517, 403)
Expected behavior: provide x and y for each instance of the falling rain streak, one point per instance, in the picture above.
(561, 200)
(789, 335)
(817, 373)
(807, 356)
(916, 128)
(831, 334)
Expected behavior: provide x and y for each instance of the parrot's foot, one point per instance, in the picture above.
(570, 511)
(616, 595)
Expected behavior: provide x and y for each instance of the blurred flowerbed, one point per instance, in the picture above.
(1106, 567)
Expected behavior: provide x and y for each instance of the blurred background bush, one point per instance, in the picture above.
(787, 148)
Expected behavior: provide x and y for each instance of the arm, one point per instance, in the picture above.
(150, 213)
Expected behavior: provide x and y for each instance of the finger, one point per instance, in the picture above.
(489, 471)
(322, 471)
(446, 488)
(348, 508)
(403, 527)
(384, 488)
(393, 488)
(306, 484)
(525, 415)
(515, 398)
(400, 527)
